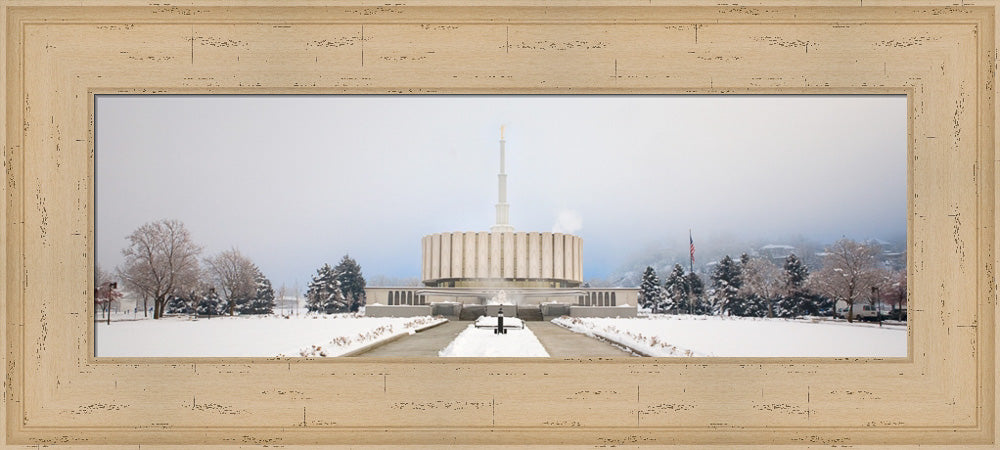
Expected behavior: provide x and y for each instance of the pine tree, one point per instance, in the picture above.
(796, 299)
(750, 305)
(696, 290)
(676, 290)
(726, 283)
(796, 273)
(263, 300)
(211, 305)
(324, 294)
(352, 283)
(177, 304)
(650, 291)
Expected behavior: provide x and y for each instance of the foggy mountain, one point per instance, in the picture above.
(708, 253)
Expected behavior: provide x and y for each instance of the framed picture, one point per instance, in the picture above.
(62, 59)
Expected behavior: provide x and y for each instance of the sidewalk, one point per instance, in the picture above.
(562, 343)
(421, 345)
(558, 342)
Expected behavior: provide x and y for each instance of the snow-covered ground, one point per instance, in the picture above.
(491, 321)
(481, 342)
(246, 336)
(684, 335)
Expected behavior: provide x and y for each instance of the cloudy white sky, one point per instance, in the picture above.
(296, 181)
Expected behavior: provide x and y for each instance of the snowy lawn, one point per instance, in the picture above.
(477, 342)
(684, 335)
(246, 336)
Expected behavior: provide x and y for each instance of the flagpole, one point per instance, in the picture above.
(691, 240)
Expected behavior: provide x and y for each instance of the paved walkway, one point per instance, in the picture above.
(558, 342)
(426, 343)
(562, 343)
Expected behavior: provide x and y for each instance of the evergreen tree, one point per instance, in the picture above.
(694, 303)
(650, 291)
(796, 299)
(324, 294)
(177, 304)
(742, 303)
(750, 305)
(726, 283)
(352, 283)
(675, 290)
(212, 304)
(796, 273)
(263, 300)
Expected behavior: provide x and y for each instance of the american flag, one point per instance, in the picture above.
(692, 247)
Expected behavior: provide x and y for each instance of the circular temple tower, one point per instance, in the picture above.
(502, 257)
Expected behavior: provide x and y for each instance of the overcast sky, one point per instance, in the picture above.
(296, 181)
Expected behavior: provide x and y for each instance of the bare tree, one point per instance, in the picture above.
(105, 291)
(280, 296)
(233, 273)
(762, 278)
(849, 271)
(298, 291)
(101, 276)
(895, 292)
(160, 260)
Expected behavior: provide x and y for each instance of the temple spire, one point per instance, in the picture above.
(503, 211)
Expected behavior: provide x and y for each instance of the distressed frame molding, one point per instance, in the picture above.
(59, 54)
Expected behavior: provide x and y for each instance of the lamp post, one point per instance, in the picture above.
(211, 295)
(500, 329)
(878, 305)
(111, 288)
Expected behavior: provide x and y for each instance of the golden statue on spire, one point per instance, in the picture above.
(501, 132)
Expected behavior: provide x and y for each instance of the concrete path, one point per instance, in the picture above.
(562, 343)
(558, 342)
(424, 344)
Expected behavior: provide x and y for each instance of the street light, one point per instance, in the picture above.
(878, 305)
(211, 294)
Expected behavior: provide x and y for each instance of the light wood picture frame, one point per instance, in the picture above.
(58, 54)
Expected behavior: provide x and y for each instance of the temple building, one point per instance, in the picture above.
(540, 273)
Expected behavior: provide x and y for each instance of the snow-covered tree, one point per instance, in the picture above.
(210, 304)
(796, 299)
(106, 292)
(324, 294)
(695, 304)
(762, 285)
(181, 304)
(849, 271)
(263, 300)
(650, 291)
(675, 290)
(726, 283)
(896, 291)
(160, 260)
(352, 283)
(796, 274)
(233, 274)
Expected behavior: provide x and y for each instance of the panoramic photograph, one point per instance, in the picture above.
(566, 226)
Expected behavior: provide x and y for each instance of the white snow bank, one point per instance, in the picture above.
(481, 342)
(684, 335)
(250, 336)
